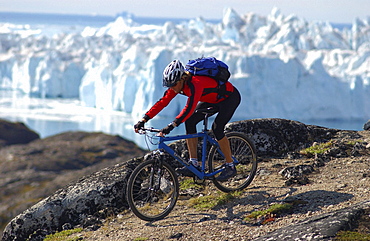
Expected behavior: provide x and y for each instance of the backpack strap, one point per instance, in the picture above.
(220, 90)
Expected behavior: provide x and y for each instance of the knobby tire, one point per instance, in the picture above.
(245, 152)
(152, 194)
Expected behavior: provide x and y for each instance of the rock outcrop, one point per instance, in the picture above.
(83, 202)
(93, 197)
(367, 126)
(277, 137)
(15, 133)
(322, 227)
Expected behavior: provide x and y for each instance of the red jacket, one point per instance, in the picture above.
(198, 89)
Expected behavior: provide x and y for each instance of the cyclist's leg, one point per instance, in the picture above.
(192, 143)
(225, 148)
(191, 128)
(195, 118)
(226, 111)
(192, 147)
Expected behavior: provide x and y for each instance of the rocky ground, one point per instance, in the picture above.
(313, 187)
(32, 171)
(340, 179)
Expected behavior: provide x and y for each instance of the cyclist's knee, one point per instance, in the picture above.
(219, 134)
(190, 129)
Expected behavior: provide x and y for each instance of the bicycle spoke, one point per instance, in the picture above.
(244, 152)
(152, 192)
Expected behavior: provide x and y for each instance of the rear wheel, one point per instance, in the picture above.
(244, 152)
(152, 190)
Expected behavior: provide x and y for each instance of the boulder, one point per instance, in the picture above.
(367, 126)
(80, 202)
(322, 227)
(15, 133)
(276, 137)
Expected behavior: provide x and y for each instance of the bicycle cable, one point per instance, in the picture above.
(149, 138)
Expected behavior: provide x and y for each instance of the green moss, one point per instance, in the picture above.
(140, 239)
(317, 149)
(351, 143)
(273, 209)
(354, 142)
(351, 236)
(211, 201)
(189, 183)
(64, 235)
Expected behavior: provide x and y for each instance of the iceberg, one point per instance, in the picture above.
(284, 66)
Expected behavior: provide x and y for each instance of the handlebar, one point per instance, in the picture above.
(206, 112)
(150, 129)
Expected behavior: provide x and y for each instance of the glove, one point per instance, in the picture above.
(139, 125)
(168, 128)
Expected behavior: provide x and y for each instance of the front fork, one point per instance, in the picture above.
(156, 171)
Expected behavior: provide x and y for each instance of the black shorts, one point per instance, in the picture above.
(226, 110)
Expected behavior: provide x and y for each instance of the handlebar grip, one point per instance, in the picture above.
(151, 129)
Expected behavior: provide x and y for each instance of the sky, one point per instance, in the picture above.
(336, 11)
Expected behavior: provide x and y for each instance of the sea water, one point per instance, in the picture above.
(53, 116)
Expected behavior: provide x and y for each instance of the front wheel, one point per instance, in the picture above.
(244, 152)
(152, 190)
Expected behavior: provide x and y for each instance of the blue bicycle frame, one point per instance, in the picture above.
(206, 138)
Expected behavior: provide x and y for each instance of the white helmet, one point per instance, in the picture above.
(172, 73)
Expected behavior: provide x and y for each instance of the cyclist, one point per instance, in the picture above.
(202, 92)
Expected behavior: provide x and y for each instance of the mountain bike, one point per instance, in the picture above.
(153, 186)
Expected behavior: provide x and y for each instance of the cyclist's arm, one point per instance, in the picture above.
(169, 94)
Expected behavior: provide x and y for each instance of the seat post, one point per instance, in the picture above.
(205, 122)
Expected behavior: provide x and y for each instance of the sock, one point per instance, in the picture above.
(194, 161)
(231, 164)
